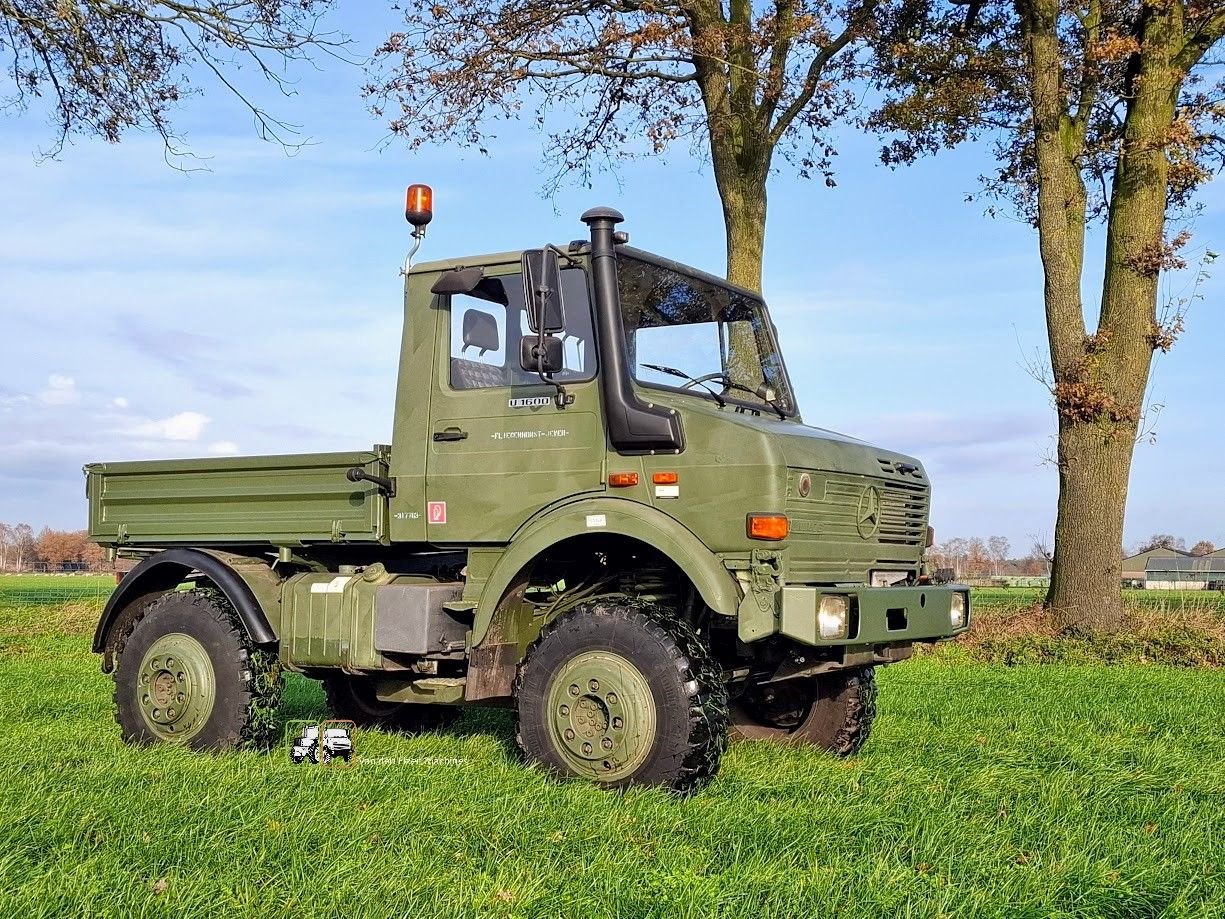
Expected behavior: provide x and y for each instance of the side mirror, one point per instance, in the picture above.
(541, 356)
(542, 291)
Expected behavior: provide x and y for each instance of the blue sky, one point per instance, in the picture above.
(255, 307)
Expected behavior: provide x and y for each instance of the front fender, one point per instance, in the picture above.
(713, 581)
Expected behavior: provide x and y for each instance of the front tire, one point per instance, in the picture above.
(621, 695)
(833, 712)
(189, 674)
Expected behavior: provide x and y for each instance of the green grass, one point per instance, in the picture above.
(54, 589)
(1070, 790)
(989, 599)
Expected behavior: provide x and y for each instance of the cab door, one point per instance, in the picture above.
(500, 448)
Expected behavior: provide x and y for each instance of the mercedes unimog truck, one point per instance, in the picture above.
(600, 508)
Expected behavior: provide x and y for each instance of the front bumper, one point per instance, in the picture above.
(878, 615)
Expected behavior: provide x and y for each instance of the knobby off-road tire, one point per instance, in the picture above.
(189, 674)
(833, 712)
(353, 698)
(623, 694)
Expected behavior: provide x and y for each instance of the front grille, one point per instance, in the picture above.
(831, 510)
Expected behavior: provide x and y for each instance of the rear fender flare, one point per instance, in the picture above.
(169, 568)
(713, 581)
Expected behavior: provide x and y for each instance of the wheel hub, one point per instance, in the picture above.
(601, 715)
(176, 687)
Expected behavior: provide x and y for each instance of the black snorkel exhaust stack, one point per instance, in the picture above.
(634, 426)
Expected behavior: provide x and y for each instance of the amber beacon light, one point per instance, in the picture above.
(419, 205)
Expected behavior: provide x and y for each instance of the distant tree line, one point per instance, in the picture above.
(975, 557)
(1166, 541)
(50, 550)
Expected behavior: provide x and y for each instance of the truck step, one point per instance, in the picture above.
(431, 690)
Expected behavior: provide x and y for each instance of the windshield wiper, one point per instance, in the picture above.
(672, 371)
(762, 392)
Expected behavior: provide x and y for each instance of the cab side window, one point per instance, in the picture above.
(487, 324)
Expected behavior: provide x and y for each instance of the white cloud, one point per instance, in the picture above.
(223, 448)
(62, 390)
(119, 402)
(183, 426)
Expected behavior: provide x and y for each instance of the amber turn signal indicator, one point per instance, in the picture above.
(623, 479)
(665, 478)
(419, 205)
(768, 526)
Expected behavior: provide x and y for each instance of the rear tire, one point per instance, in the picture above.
(189, 674)
(623, 694)
(833, 712)
(353, 699)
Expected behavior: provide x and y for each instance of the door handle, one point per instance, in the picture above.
(450, 434)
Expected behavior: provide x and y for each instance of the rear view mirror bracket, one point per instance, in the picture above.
(543, 355)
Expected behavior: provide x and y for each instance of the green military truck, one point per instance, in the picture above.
(600, 508)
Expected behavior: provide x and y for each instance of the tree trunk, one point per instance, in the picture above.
(1085, 595)
(744, 221)
(1102, 398)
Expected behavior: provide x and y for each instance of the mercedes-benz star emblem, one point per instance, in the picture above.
(867, 516)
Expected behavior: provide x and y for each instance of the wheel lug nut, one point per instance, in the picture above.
(617, 723)
(606, 743)
(586, 748)
(569, 735)
(594, 685)
(565, 709)
(612, 698)
(574, 690)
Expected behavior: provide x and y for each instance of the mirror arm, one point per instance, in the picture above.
(574, 262)
(561, 398)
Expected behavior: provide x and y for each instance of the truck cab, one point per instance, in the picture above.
(600, 507)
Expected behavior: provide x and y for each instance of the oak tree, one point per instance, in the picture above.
(106, 67)
(1162, 541)
(1203, 547)
(1103, 110)
(741, 82)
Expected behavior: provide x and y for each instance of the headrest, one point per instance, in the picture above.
(480, 331)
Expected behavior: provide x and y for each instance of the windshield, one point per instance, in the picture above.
(677, 322)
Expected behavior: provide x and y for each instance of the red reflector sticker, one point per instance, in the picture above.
(436, 511)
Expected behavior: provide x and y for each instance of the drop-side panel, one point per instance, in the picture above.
(282, 500)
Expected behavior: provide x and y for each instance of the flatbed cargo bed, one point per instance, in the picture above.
(286, 500)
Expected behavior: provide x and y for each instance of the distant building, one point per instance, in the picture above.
(1136, 566)
(1185, 572)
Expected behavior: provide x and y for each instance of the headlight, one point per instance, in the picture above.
(957, 611)
(834, 617)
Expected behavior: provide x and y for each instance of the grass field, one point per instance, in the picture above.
(990, 599)
(1054, 789)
